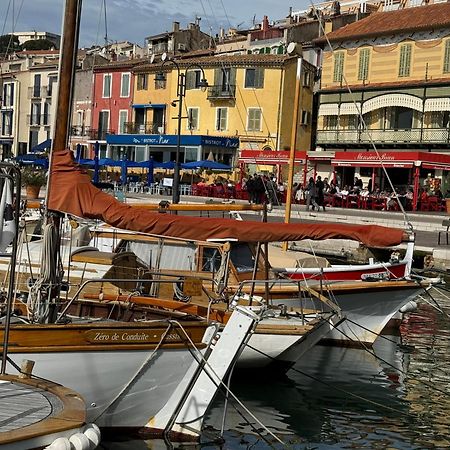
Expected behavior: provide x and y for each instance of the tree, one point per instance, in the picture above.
(38, 44)
(8, 44)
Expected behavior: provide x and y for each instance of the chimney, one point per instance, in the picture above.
(265, 24)
(175, 27)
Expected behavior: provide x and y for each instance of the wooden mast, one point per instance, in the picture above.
(67, 59)
(287, 215)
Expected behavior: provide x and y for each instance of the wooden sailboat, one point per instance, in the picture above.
(126, 371)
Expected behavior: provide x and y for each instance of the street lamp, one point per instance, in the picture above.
(181, 92)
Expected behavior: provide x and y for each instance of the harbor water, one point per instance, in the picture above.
(394, 396)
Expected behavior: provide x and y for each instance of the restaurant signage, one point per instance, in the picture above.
(268, 157)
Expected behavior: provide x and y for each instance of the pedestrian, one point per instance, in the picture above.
(251, 189)
(311, 195)
(319, 193)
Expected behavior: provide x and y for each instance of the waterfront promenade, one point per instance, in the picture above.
(426, 225)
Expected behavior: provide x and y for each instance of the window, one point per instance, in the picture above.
(103, 124)
(338, 67)
(440, 119)
(446, 68)
(37, 86)
(107, 85)
(254, 119)
(190, 154)
(46, 115)
(142, 81)
(401, 118)
(404, 68)
(193, 78)
(35, 114)
(306, 78)
(254, 78)
(304, 117)
(123, 118)
(6, 123)
(363, 70)
(221, 119)
(160, 84)
(125, 85)
(331, 122)
(192, 119)
(8, 94)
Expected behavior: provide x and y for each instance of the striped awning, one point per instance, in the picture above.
(328, 109)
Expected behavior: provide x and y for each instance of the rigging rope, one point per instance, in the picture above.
(38, 305)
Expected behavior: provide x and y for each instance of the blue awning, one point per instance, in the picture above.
(142, 105)
(149, 105)
(42, 146)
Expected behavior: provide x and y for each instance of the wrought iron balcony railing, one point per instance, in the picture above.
(80, 130)
(99, 135)
(143, 128)
(378, 136)
(222, 92)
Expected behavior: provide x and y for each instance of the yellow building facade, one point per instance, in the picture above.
(249, 97)
(385, 83)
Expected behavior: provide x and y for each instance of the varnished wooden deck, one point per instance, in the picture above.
(32, 409)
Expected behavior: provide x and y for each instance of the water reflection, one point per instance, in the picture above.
(342, 398)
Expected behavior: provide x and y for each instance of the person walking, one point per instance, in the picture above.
(319, 193)
(311, 193)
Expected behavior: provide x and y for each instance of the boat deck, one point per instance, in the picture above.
(35, 411)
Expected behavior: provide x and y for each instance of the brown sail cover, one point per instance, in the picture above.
(72, 192)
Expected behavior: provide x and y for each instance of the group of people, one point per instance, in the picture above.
(262, 189)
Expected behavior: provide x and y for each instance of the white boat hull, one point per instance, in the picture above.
(367, 312)
(100, 376)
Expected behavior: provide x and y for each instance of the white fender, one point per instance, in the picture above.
(88, 439)
(79, 441)
(7, 225)
(59, 444)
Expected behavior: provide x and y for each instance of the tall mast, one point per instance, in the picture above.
(67, 64)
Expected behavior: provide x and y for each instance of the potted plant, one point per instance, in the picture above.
(33, 178)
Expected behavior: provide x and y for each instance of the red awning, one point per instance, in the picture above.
(270, 157)
(392, 159)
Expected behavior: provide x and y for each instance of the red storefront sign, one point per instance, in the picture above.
(270, 157)
(392, 159)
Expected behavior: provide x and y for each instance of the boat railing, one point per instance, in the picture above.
(170, 279)
(271, 283)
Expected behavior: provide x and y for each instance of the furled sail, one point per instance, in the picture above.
(71, 191)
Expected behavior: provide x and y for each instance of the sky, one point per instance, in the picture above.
(133, 20)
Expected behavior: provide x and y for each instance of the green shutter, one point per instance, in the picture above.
(338, 67)
(447, 56)
(217, 77)
(259, 77)
(232, 77)
(190, 80)
(405, 61)
(363, 70)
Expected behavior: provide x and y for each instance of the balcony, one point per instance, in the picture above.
(45, 120)
(404, 137)
(218, 92)
(38, 92)
(34, 120)
(157, 49)
(143, 128)
(98, 135)
(80, 131)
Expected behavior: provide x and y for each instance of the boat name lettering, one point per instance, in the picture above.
(108, 336)
(383, 156)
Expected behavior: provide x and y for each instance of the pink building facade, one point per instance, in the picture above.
(112, 104)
